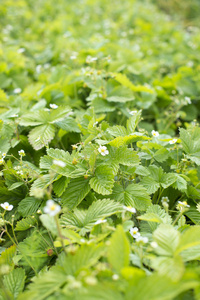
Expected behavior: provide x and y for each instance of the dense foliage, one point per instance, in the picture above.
(100, 152)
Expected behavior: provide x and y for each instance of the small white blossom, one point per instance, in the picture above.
(95, 123)
(59, 163)
(133, 112)
(154, 244)
(7, 206)
(38, 68)
(129, 208)
(103, 150)
(21, 50)
(90, 59)
(134, 232)
(17, 91)
(73, 57)
(155, 133)
(69, 114)
(52, 208)
(53, 106)
(164, 200)
(3, 154)
(100, 221)
(21, 153)
(1, 161)
(142, 239)
(182, 205)
(173, 141)
(47, 66)
(115, 277)
(14, 116)
(188, 100)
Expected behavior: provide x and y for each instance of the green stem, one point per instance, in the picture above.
(178, 217)
(60, 234)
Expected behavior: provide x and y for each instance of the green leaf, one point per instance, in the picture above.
(25, 223)
(125, 140)
(154, 216)
(41, 183)
(124, 156)
(132, 122)
(7, 256)
(172, 267)
(167, 239)
(119, 250)
(28, 206)
(86, 256)
(15, 185)
(46, 284)
(68, 124)
(124, 80)
(189, 241)
(49, 223)
(117, 131)
(191, 143)
(103, 181)
(76, 191)
(60, 185)
(120, 94)
(41, 136)
(193, 215)
(14, 282)
(84, 220)
(101, 291)
(161, 155)
(157, 287)
(134, 195)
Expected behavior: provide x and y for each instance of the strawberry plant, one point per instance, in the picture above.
(100, 152)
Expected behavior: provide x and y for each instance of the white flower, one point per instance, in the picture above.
(115, 277)
(14, 116)
(46, 66)
(182, 205)
(134, 232)
(173, 141)
(188, 100)
(1, 161)
(155, 133)
(38, 68)
(17, 91)
(90, 59)
(21, 153)
(53, 106)
(3, 154)
(59, 163)
(129, 208)
(103, 150)
(73, 57)
(100, 221)
(21, 50)
(95, 123)
(154, 244)
(7, 206)
(133, 112)
(142, 239)
(165, 200)
(52, 208)
(69, 114)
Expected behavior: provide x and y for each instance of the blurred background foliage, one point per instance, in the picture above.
(188, 11)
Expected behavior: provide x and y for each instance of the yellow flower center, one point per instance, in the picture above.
(102, 150)
(7, 206)
(52, 207)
